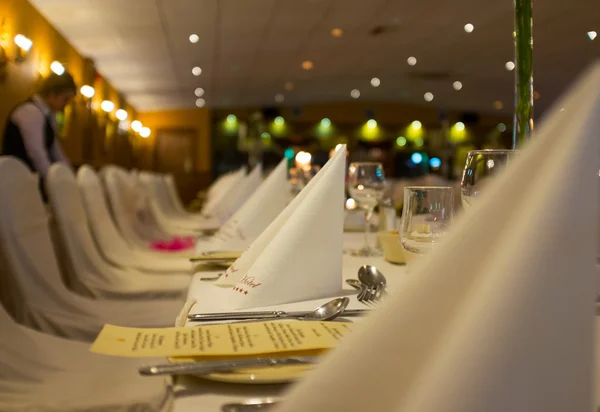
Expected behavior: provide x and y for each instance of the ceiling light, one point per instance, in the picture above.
(194, 38)
(145, 132)
(501, 127)
(510, 66)
(411, 61)
(372, 123)
(355, 93)
(288, 86)
(401, 141)
(121, 114)
(498, 105)
(459, 126)
(23, 42)
(199, 92)
(196, 71)
(57, 68)
(265, 135)
(416, 125)
(337, 32)
(307, 65)
(231, 118)
(375, 82)
(592, 35)
(200, 102)
(325, 123)
(279, 97)
(279, 121)
(457, 85)
(469, 28)
(87, 91)
(107, 106)
(428, 96)
(136, 126)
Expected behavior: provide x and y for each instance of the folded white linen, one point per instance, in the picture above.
(254, 216)
(87, 271)
(111, 244)
(299, 256)
(30, 281)
(500, 317)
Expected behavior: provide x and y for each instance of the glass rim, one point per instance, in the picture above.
(491, 151)
(429, 187)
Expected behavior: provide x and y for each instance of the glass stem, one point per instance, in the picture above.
(368, 214)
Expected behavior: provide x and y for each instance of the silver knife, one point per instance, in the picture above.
(207, 367)
(205, 317)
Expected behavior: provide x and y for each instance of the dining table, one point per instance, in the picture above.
(194, 394)
(198, 394)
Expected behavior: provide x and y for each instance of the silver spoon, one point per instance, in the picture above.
(372, 278)
(327, 311)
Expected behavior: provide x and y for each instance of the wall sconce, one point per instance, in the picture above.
(107, 106)
(57, 68)
(121, 114)
(87, 91)
(145, 132)
(136, 126)
(24, 45)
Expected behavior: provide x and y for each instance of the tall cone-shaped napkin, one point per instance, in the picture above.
(237, 195)
(299, 256)
(500, 317)
(254, 216)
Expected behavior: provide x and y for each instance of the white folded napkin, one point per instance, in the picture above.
(237, 195)
(254, 216)
(500, 317)
(299, 256)
(220, 188)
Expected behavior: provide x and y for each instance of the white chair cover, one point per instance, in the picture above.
(128, 206)
(40, 372)
(500, 317)
(164, 213)
(215, 196)
(87, 271)
(31, 271)
(110, 242)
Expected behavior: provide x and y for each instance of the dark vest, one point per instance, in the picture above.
(13, 144)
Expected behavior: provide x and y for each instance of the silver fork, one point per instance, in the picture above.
(372, 295)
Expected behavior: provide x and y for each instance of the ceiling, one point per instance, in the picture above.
(249, 49)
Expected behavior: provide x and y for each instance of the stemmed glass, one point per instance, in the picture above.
(481, 165)
(427, 214)
(366, 185)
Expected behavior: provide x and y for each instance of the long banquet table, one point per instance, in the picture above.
(194, 394)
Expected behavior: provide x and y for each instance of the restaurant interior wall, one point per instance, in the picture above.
(89, 135)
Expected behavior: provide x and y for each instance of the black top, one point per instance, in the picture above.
(14, 145)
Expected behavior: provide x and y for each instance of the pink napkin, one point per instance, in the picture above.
(175, 244)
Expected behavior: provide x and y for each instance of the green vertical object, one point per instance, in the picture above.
(523, 118)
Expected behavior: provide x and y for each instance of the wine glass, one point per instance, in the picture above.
(481, 165)
(427, 213)
(366, 184)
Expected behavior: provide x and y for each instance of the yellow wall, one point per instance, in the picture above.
(22, 79)
(188, 119)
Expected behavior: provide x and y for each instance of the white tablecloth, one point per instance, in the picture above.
(202, 395)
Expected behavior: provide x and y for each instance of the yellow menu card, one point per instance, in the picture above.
(234, 339)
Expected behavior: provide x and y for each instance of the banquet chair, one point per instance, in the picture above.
(87, 271)
(115, 249)
(164, 213)
(29, 261)
(40, 372)
(128, 207)
(160, 210)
